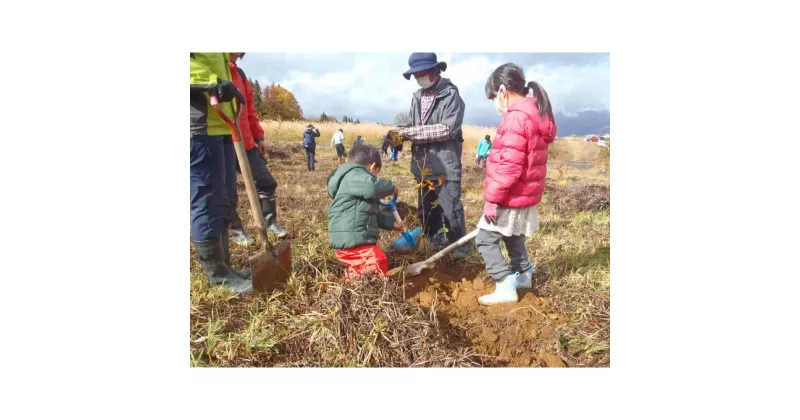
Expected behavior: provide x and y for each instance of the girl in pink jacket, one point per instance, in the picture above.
(515, 177)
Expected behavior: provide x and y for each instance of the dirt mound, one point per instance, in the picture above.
(281, 150)
(573, 198)
(404, 210)
(514, 334)
(369, 323)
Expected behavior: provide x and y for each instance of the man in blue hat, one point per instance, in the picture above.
(434, 129)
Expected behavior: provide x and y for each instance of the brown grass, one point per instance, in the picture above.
(291, 132)
(575, 198)
(319, 321)
(368, 323)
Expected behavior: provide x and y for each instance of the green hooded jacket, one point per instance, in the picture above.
(354, 217)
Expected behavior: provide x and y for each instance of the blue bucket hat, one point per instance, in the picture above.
(421, 62)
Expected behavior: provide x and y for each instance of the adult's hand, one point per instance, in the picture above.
(225, 91)
(400, 227)
(490, 212)
(262, 147)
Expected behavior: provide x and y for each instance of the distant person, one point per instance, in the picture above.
(253, 139)
(434, 129)
(310, 144)
(354, 216)
(338, 141)
(358, 141)
(385, 146)
(515, 180)
(483, 150)
(395, 148)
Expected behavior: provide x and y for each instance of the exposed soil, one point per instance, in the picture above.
(514, 334)
(531, 332)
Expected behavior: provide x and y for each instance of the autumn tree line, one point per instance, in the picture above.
(277, 103)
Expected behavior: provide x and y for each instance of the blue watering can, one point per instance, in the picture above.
(409, 239)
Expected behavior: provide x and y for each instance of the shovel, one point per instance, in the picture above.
(416, 268)
(271, 268)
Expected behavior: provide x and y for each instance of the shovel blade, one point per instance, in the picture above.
(270, 272)
(415, 269)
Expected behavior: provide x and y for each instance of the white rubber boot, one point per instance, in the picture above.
(525, 279)
(240, 237)
(505, 291)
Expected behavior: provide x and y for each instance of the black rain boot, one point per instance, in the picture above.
(269, 207)
(212, 258)
(245, 274)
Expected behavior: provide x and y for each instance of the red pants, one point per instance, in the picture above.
(363, 259)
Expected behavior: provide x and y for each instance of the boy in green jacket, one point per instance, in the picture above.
(354, 216)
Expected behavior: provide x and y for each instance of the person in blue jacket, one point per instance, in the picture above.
(310, 144)
(483, 150)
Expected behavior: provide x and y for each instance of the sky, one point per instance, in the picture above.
(371, 87)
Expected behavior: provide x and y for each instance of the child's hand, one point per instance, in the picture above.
(490, 212)
(396, 189)
(400, 227)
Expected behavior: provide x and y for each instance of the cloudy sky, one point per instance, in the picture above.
(370, 86)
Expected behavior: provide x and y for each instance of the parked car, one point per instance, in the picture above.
(591, 138)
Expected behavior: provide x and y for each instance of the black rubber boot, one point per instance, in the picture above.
(269, 207)
(211, 257)
(245, 274)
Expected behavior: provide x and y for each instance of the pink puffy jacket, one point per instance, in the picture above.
(517, 163)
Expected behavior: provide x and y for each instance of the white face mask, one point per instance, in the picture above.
(424, 81)
(500, 109)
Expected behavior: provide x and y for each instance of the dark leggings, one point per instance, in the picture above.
(310, 158)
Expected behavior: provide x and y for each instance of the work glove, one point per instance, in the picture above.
(395, 138)
(225, 91)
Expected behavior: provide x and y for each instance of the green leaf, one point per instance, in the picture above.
(444, 229)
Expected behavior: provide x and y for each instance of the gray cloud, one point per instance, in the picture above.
(370, 86)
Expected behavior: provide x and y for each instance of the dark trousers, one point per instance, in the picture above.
(265, 182)
(310, 158)
(488, 244)
(480, 158)
(447, 212)
(340, 150)
(212, 184)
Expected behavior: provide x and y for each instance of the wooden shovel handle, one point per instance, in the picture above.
(244, 166)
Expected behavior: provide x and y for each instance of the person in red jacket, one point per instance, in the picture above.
(515, 179)
(253, 138)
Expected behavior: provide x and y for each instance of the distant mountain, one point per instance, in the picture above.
(583, 123)
(587, 122)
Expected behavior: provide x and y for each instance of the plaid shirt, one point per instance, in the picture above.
(427, 98)
(426, 134)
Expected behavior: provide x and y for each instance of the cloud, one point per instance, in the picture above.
(370, 86)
